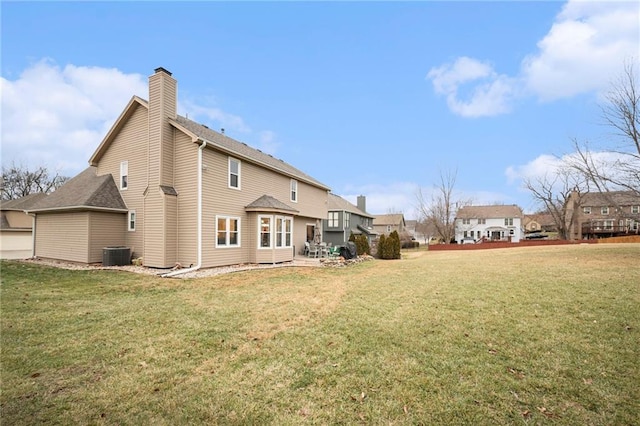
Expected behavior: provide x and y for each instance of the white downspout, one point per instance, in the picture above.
(199, 236)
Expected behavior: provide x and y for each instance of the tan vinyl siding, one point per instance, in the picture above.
(18, 219)
(171, 238)
(105, 230)
(186, 184)
(130, 144)
(154, 229)
(256, 181)
(63, 236)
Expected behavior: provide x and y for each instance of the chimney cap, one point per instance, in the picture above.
(160, 69)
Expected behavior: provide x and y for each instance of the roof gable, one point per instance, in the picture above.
(336, 202)
(128, 111)
(85, 191)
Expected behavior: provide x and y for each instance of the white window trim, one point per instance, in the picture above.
(228, 232)
(635, 209)
(124, 173)
(283, 233)
(271, 229)
(293, 192)
(604, 210)
(239, 173)
(333, 217)
(586, 210)
(131, 213)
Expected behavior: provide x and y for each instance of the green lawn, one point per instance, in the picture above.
(506, 336)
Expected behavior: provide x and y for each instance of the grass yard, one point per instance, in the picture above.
(509, 336)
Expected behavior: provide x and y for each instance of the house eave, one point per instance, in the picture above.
(76, 209)
(236, 154)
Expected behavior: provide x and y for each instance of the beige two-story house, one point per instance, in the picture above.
(176, 192)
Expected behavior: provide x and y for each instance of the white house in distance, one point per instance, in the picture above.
(489, 223)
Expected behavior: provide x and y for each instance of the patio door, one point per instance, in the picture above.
(311, 229)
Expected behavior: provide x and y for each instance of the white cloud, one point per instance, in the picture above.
(383, 199)
(583, 51)
(539, 167)
(56, 117)
(491, 96)
(205, 113)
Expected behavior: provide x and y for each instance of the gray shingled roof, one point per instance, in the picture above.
(388, 219)
(267, 202)
(23, 203)
(489, 212)
(336, 202)
(85, 191)
(243, 150)
(610, 199)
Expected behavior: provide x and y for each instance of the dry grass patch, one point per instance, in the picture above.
(527, 335)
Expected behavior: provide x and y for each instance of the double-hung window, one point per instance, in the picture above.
(294, 190)
(234, 173)
(586, 210)
(124, 175)
(283, 231)
(131, 221)
(332, 221)
(604, 210)
(264, 232)
(635, 209)
(227, 231)
(508, 221)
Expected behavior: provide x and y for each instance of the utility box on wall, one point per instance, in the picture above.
(116, 256)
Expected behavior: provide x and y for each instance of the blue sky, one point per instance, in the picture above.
(371, 98)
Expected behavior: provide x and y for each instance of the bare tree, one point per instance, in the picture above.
(559, 193)
(19, 181)
(618, 166)
(440, 211)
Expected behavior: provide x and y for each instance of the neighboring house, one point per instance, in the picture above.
(493, 223)
(411, 228)
(387, 223)
(539, 222)
(176, 192)
(606, 214)
(343, 218)
(16, 237)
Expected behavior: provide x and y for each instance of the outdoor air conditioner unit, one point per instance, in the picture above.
(116, 256)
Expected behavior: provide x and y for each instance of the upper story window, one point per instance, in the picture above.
(294, 190)
(508, 221)
(635, 209)
(227, 231)
(482, 221)
(466, 221)
(131, 221)
(604, 210)
(124, 175)
(234, 173)
(347, 219)
(332, 221)
(586, 210)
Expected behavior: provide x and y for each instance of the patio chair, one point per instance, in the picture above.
(314, 250)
